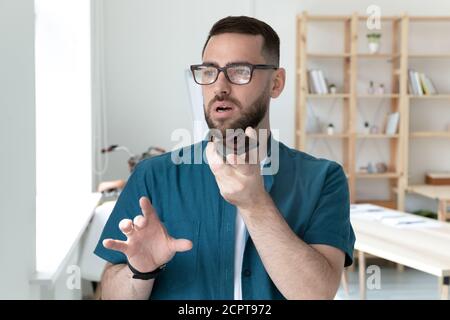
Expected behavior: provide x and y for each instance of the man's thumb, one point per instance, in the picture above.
(181, 245)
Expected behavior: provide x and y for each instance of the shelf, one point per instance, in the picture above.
(430, 191)
(386, 175)
(387, 18)
(376, 136)
(429, 18)
(432, 96)
(328, 96)
(430, 134)
(328, 55)
(378, 55)
(325, 18)
(428, 56)
(378, 96)
(325, 135)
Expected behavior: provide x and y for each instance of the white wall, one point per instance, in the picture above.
(17, 142)
(148, 44)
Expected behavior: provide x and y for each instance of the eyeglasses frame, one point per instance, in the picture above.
(225, 71)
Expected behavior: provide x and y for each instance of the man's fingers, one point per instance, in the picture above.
(181, 245)
(214, 160)
(232, 159)
(139, 222)
(126, 226)
(253, 154)
(251, 133)
(115, 245)
(146, 207)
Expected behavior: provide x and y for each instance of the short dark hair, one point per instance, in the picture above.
(252, 26)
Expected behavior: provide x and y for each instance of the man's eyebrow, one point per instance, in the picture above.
(210, 63)
(229, 63)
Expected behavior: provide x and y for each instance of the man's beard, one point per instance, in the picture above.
(250, 116)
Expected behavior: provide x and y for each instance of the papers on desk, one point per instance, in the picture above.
(372, 212)
(390, 217)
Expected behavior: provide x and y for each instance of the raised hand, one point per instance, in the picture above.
(148, 245)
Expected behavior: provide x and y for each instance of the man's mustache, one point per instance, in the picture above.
(224, 99)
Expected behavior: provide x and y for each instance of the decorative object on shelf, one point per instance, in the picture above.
(371, 168)
(380, 89)
(374, 42)
(332, 88)
(381, 167)
(366, 128)
(371, 89)
(374, 129)
(330, 129)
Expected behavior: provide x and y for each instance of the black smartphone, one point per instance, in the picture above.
(238, 144)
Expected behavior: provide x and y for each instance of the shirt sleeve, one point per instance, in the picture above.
(126, 207)
(330, 221)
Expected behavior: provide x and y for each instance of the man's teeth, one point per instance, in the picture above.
(223, 109)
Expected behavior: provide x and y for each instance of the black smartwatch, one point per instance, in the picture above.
(145, 275)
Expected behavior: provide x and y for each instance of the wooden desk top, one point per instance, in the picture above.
(430, 191)
(423, 248)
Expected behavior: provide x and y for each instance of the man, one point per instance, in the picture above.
(221, 229)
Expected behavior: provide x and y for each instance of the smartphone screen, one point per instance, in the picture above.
(238, 144)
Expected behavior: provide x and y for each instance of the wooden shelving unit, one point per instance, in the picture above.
(398, 97)
(442, 193)
(351, 98)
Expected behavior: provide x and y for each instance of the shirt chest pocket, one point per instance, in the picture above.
(182, 269)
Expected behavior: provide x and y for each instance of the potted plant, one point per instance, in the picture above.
(374, 41)
(332, 88)
(330, 129)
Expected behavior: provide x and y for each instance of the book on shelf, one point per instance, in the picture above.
(427, 84)
(317, 82)
(392, 123)
(420, 84)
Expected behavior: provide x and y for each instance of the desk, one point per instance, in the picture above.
(57, 241)
(439, 193)
(423, 246)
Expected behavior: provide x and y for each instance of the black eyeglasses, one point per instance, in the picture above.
(236, 73)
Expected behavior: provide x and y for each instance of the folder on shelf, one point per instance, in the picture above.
(392, 123)
(317, 82)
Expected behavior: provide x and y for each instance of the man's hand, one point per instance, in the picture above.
(148, 245)
(239, 177)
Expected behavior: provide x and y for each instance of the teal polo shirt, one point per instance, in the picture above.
(311, 194)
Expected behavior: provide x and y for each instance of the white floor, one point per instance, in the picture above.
(409, 284)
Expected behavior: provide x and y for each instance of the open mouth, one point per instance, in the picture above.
(221, 109)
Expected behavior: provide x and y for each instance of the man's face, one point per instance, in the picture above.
(231, 106)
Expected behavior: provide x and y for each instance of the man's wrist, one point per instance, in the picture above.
(257, 204)
(145, 275)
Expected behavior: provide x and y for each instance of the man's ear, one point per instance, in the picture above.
(278, 81)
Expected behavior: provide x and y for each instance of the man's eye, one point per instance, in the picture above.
(208, 73)
(242, 71)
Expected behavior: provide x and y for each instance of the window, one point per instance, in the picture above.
(63, 123)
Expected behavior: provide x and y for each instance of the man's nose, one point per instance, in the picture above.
(222, 86)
